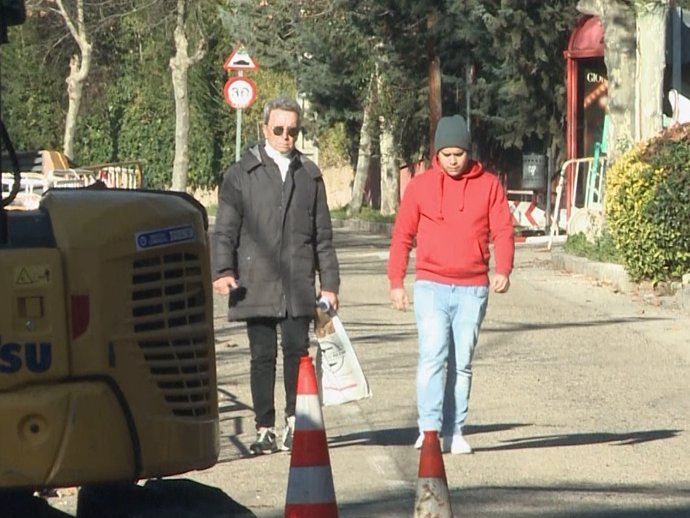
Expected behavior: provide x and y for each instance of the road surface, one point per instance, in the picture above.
(580, 405)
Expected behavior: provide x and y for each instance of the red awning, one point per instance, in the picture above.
(587, 40)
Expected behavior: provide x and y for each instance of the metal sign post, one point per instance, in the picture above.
(238, 134)
(239, 91)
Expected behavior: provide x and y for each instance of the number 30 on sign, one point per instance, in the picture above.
(240, 92)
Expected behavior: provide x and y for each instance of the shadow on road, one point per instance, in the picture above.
(229, 402)
(557, 501)
(179, 498)
(579, 439)
(509, 327)
(407, 436)
(233, 412)
(572, 501)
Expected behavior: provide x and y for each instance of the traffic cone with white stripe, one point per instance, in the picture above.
(310, 491)
(433, 500)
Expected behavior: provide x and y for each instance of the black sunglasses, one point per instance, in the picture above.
(279, 130)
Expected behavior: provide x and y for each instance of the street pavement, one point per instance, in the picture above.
(579, 406)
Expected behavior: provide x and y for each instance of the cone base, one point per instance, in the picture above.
(432, 499)
(325, 510)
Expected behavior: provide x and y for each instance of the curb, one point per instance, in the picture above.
(364, 226)
(615, 276)
(540, 240)
(609, 273)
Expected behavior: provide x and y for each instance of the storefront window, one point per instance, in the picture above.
(593, 92)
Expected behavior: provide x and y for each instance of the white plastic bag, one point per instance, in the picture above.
(337, 365)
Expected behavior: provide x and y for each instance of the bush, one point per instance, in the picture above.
(603, 249)
(333, 146)
(647, 206)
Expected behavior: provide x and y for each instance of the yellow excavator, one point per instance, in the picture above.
(107, 358)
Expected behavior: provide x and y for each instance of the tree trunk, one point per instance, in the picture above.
(652, 20)
(390, 172)
(179, 66)
(435, 102)
(363, 155)
(79, 70)
(618, 20)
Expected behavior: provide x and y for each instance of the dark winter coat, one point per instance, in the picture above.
(273, 236)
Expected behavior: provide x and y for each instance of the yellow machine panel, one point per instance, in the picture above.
(107, 359)
(49, 432)
(33, 328)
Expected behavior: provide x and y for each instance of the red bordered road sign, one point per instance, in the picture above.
(240, 92)
(240, 60)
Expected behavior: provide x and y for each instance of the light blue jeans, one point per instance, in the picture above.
(448, 321)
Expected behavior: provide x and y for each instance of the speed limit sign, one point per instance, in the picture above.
(240, 92)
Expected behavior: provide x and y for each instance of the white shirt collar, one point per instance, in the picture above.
(281, 160)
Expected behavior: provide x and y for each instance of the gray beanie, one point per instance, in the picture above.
(452, 132)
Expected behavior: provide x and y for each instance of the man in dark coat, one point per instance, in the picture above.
(272, 234)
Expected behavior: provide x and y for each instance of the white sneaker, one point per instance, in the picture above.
(459, 445)
(288, 433)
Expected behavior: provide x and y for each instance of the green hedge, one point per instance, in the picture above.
(647, 206)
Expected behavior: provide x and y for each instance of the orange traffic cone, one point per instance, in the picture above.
(433, 500)
(310, 492)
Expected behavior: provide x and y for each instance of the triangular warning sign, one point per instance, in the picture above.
(240, 60)
(23, 277)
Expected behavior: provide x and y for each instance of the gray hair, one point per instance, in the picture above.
(282, 103)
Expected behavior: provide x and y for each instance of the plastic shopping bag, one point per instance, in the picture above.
(337, 365)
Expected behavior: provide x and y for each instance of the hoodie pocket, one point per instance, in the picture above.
(483, 252)
(456, 257)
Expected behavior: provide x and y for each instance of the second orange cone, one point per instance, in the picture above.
(433, 500)
(310, 492)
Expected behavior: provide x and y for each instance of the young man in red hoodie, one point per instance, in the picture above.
(453, 210)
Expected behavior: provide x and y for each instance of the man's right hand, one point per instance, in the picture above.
(399, 298)
(223, 285)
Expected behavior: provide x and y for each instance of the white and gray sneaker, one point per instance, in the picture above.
(288, 433)
(265, 442)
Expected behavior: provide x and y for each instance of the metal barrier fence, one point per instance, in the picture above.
(121, 175)
(593, 169)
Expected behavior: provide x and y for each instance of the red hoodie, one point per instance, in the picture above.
(452, 220)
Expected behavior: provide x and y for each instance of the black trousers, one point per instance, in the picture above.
(263, 345)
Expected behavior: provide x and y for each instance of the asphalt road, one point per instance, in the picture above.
(580, 406)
